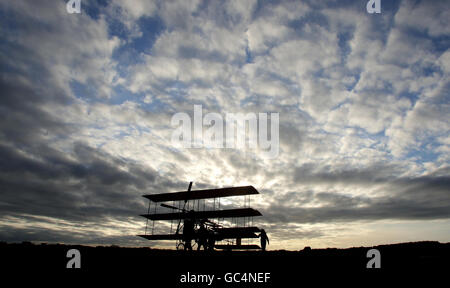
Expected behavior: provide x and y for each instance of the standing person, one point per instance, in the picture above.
(188, 230)
(264, 238)
(211, 240)
(202, 236)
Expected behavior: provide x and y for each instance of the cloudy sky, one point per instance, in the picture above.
(363, 100)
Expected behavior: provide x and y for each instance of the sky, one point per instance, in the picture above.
(363, 102)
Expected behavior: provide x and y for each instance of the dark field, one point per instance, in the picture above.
(408, 259)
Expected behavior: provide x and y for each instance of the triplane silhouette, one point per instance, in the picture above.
(201, 224)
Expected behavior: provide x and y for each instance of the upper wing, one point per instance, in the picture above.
(202, 194)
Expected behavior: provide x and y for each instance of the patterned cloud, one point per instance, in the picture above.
(363, 101)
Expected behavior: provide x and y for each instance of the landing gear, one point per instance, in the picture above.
(181, 245)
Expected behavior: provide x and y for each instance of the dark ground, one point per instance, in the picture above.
(405, 260)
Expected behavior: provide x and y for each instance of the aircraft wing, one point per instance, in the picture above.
(236, 247)
(202, 194)
(236, 232)
(220, 234)
(162, 237)
(241, 212)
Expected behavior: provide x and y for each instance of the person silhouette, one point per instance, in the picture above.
(202, 236)
(264, 239)
(188, 230)
(211, 240)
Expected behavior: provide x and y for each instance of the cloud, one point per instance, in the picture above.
(407, 198)
(87, 101)
(425, 17)
(84, 185)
